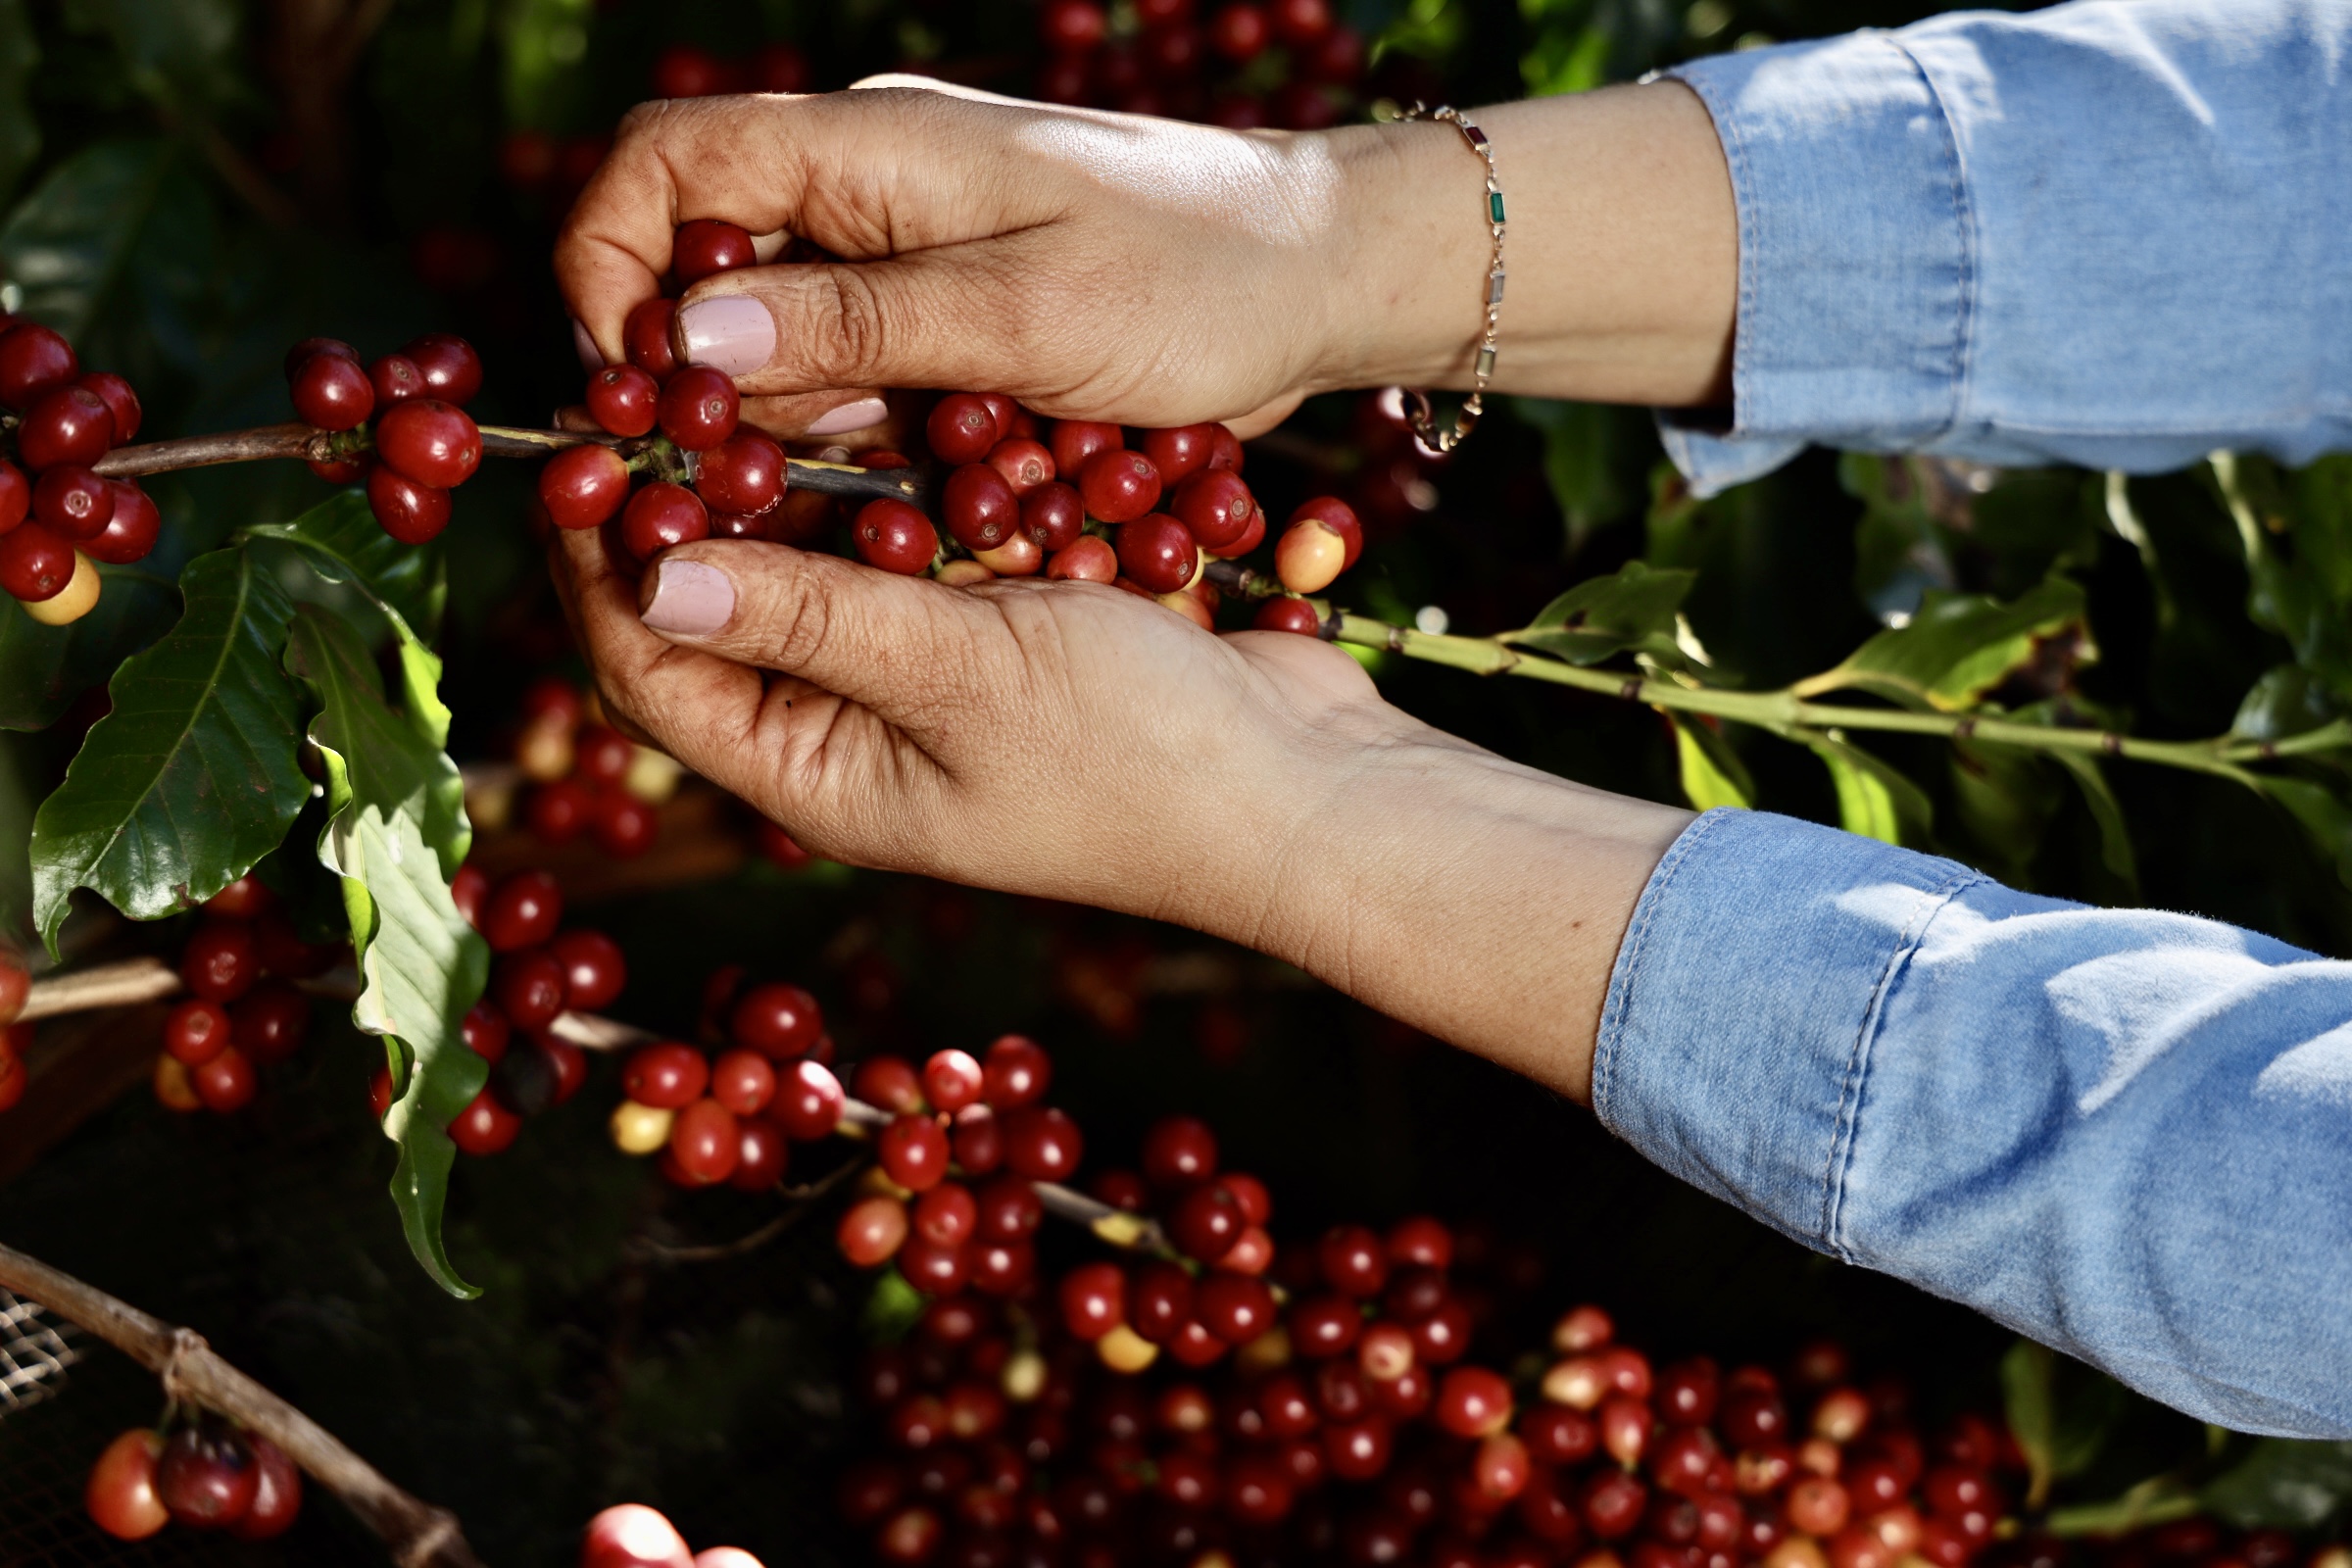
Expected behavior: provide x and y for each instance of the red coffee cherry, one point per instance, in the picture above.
(1818, 1505)
(485, 1127)
(1015, 1071)
(68, 425)
(777, 1020)
(227, 1083)
(1074, 441)
(412, 514)
(1473, 1402)
(1353, 1259)
(131, 530)
(1180, 1151)
(1041, 1143)
(1094, 1300)
(913, 1152)
(1025, 464)
(808, 1101)
(1612, 1504)
(429, 441)
(16, 495)
(1052, 515)
(1085, 560)
(1158, 552)
(961, 428)
(469, 891)
(309, 346)
(452, 369)
(529, 988)
(951, 1080)
(1238, 32)
(1424, 1242)
(978, 1141)
(206, 1476)
(1178, 452)
(195, 1032)
(1118, 486)
(667, 1075)
(486, 1032)
(595, 970)
(704, 247)
(74, 502)
(270, 1022)
(1325, 1326)
(121, 401)
(1071, 26)
(1009, 1210)
(34, 564)
(1215, 504)
(646, 336)
(1338, 516)
(395, 378)
(744, 474)
(699, 408)
(896, 537)
(1288, 614)
(1752, 1418)
(979, 506)
(1252, 537)
(583, 487)
(1234, 1307)
(622, 399)
(704, 1143)
(1558, 1435)
(333, 393)
(34, 360)
(277, 1499)
(1205, 1222)
(218, 963)
(121, 1497)
(946, 1214)
(761, 1156)
(522, 911)
(662, 515)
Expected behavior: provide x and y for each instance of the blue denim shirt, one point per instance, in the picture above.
(2125, 1133)
(2116, 233)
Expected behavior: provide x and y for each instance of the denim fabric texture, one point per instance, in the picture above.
(2110, 233)
(2125, 1133)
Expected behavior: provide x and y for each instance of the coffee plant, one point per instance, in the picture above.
(305, 805)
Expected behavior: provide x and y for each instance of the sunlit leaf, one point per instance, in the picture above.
(1602, 616)
(422, 966)
(1961, 645)
(194, 775)
(1711, 772)
(43, 669)
(67, 242)
(1874, 799)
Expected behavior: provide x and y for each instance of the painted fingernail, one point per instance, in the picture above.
(850, 416)
(591, 356)
(730, 332)
(690, 598)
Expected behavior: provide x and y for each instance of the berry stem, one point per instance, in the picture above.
(418, 1533)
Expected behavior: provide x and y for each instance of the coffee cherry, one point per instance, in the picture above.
(1087, 560)
(1238, 32)
(1120, 486)
(662, 515)
(1016, 1072)
(1252, 537)
(1612, 1504)
(963, 427)
(1841, 1415)
(743, 1081)
(979, 506)
(412, 514)
(583, 487)
(309, 346)
(218, 963)
(529, 988)
(16, 495)
(896, 537)
(1358, 1449)
(1094, 1300)
(1071, 26)
(1179, 1150)
(704, 247)
(873, 1230)
(1234, 1307)
(522, 911)
(1420, 1242)
(131, 532)
(206, 1476)
(1158, 552)
(704, 1143)
(646, 335)
(429, 441)
(1041, 1143)
(913, 1152)
(622, 400)
(745, 475)
(1443, 1336)
(276, 1499)
(1052, 515)
(951, 1080)
(121, 400)
(1309, 556)
(1205, 1222)
(69, 424)
(779, 1020)
(699, 408)
(623, 825)
(35, 564)
(1025, 464)
(1818, 1505)
(331, 393)
(638, 1129)
(1473, 1402)
(74, 502)
(1325, 1326)
(667, 1075)
(395, 378)
(485, 1127)
(1215, 506)
(1288, 614)
(486, 1032)
(120, 1495)
(270, 1022)
(452, 369)
(1179, 451)
(808, 1101)
(761, 1156)
(1752, 1418)
(595, 970)
(469, 891)
(34, 360)
(634, 1536)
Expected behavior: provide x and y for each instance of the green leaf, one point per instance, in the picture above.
(67, 243)
(20, 132)
(1562, 61)
(2114, 834)
(341, 541)
(1961, 645)
(422, 966)
(1874, 799)
(1582, 447)
(175, 52)
(43, 669)
(1711, 772)
(1602, 616)
(2004, 799)
(2323, 813)
(195, 773)
(2284, 1484)
(2287, 700)
(2060, 1412)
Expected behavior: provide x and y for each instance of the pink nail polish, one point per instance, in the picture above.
(731, 333)
(591, 356)
(857, 416)
(690, 598)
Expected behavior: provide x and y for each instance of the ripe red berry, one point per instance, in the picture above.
(1340, 518)
(270, 1022)
(412, 514)
(131, 532)
(1074, 441)
(624, 825)
(196, 1031)
(705, 1142)
(1179, 452)
(946, 1214)
(1158, 552)
(963, 427)
(395, 378)
(1071, 26)
(484, 1127)
(1238, 32)
(1118, 486)
(121, 1496)
(218, 963)
(951, 1080)
(979, 506)
(429, 441)
(1215, 506)
(1052, 515)
(486, 1032)
(1288, 614)
(529, 988)
(762, 1155)
(277, 1499)
(660, 516)
(1252, 537)
(808, 1101)
(704, 247)
(227, 1083)
(1041, 1143)
(1353, 1259)
(1473, 1402)
(1234, 1307)
(683, 71)
(16, 495)
(1094, 1300)
(583, 487)
(667, 1075)
(1299, 22)
(469, 891)
(896, 537)
(913, 1152)
(522, 911)
(121, 401)
(1025, 464)
(68, 425)
(871, 1230)
(71, 501)
(452, 369)
(1179, 1150)
(309, 346)
(1424, 1242)
(33, 359)
(646, 337)
(34, 563)
(1085, 560)
(333, 393)
(699, 408)
(1205, 1222)
(1558, 1435)
(595, 970)
(1015, 1071)
(744, 474)
(779, 1020)
(1613, 1502)
(622, 399)
(206, 1478)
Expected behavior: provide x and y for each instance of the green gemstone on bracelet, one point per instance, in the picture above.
(1495, 205)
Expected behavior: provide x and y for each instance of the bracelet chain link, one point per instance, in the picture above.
(1421, 415)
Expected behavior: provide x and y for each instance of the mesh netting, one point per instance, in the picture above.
(34, 1354)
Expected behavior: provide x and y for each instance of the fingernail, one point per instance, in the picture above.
(689, 598)
(850, 416)
(591, 356)
(731, 333)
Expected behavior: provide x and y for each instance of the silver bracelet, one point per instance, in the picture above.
(1422, 416)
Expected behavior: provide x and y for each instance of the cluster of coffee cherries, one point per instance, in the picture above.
(15, 1035)
(205, 1475)
(1245, 64)
(541, 973)
(245, 1010)
(630, 1535)
(588, 779)
(422, 443)
(58, 514)
(731, 1116)
(2194, 1542)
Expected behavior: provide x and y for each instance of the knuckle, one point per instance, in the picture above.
(854, 346)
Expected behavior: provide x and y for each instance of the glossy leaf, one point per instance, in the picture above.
(1580, 443)
(2060, 1412)
(1602, 616)
(194, 775)
(20, 55)
(44, 669)
(342, 542)
(67, 242)
(2285, 1485)
(2004, 800)
(1960, 647)
(2114, 834)
(2295, 528)
(2323, 813)
(1874, 799)
(1710, 771)
(422, 966)
(2288, 699)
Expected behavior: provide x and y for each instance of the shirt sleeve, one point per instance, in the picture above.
(2108, 233)
(2123, 1133)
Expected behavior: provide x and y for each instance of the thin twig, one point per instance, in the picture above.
(804, 1200)
(418, 1533)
